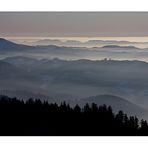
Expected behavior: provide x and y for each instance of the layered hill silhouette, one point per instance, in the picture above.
(118, 50)
(6, 44)
(76, 79)
(25, 71)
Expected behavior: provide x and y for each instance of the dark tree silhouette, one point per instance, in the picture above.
(34, 117)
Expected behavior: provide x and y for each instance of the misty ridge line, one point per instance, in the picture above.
(4, 43)
(77, 44)
(89, 41)
(45, 60)
(52, 51)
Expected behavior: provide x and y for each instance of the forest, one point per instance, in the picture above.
(40, 118)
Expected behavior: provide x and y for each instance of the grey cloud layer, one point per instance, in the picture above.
(73, 24)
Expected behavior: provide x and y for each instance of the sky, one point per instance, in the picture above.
(74, 24)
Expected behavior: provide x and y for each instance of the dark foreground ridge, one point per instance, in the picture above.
(36, 118)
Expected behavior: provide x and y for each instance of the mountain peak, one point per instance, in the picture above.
(5, 41)
(2, 39)
(9, 45)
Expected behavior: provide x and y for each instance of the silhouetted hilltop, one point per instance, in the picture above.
(117, 104)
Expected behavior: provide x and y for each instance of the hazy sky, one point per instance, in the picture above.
(65, 24)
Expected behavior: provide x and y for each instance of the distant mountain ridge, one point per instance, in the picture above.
(8, 45)
(117, 46)
(80, 43)
(117, 104)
